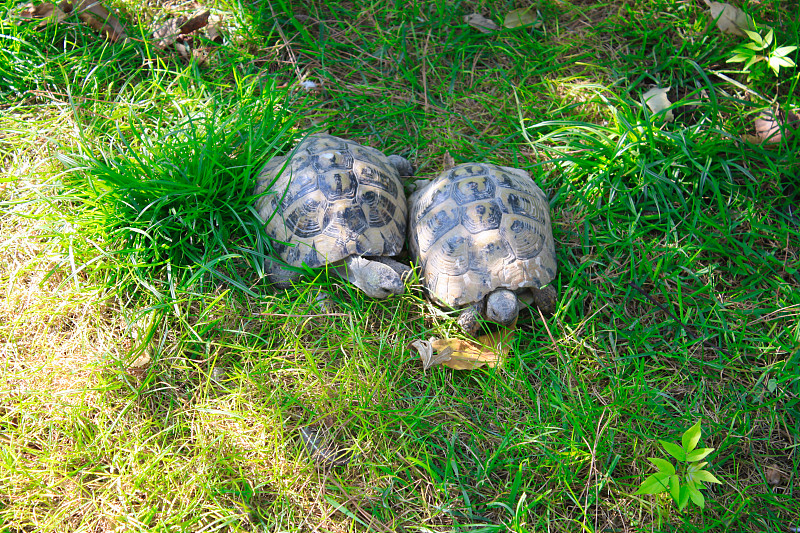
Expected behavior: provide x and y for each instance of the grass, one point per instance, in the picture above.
(150, 379)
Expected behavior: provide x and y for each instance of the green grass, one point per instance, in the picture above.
(150, 379)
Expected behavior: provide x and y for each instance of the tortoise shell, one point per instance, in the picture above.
(329, 199)
(480, 227)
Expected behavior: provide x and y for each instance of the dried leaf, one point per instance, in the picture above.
(481, 23)
(141, 362)
(183, 50)
(425, 349)
(521, 17)
(47, 12)
(201, 55)
(773, 475)
(656, 99)
(104, 22)
(730, 19)
(461, 354)
(29, 11)
(464, 355)
(322, 449)
(39, 11)
(768, 130)
(166, 34)
(195, 23)
(213, 33)
(772, 126)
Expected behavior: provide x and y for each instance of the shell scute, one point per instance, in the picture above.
(481, 215)
(473, 189)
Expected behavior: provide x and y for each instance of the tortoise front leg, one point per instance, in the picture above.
(376, 279)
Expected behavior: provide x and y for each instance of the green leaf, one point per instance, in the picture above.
(675, 488)
(755, 37)
(696, 496)
(684, 497)
(654, 484)
(705, 475)
(519, 17)
(674, 450)
(663, 465)
(768, 38)
(739, 58)
(694, 467)
(753, 60)
(783, 50)
(691, 437)
(698, 454)
(781, 61)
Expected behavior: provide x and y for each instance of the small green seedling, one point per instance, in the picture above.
(759, 50)
(683, 484)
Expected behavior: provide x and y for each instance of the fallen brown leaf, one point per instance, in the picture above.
(489, 350)
(481, 23)
(425, 349)
(183, 50)
(39, 11)
(47, 12)
(98, 18)
(773, 475)
(520, 17)
(201, 55)
(656, 99)
(730, 19)
(195, 23)
(166, 34)
(772, 125)
(459, 354)
(213, 33)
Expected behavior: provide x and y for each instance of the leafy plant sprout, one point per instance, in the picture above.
(685, 482)
(761, 48)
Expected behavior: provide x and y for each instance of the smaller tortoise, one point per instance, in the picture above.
(481, 235)
(335, 202)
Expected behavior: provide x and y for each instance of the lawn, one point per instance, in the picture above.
(151, 379)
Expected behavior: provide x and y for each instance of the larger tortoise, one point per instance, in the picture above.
(335, 202)
(481, 234)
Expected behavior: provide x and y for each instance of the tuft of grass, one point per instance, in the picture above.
(172, 195)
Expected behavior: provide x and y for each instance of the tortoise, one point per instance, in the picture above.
(335, 202)
(482, 236)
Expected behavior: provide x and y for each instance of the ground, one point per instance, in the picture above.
(151, 380)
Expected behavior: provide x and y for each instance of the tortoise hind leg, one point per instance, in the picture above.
(403, 166)
(280, 277)
(544, 299)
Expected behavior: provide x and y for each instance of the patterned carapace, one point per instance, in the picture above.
(330, 199)
(479, 227)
